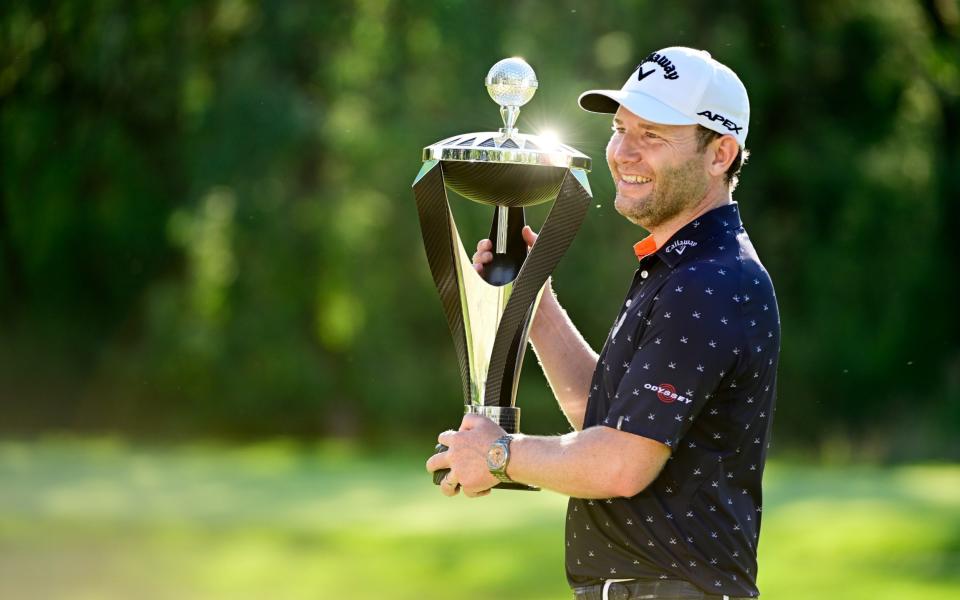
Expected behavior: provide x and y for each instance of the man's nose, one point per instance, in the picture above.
(628, 149)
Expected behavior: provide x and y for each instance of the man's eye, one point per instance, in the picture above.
(651, 135)
(616, 129)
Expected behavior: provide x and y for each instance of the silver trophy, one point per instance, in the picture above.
(489, 314)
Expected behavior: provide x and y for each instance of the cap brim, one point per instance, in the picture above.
(642, 105)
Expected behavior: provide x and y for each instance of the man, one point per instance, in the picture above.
(672, 419)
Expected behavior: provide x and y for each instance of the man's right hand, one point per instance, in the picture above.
(484, 253)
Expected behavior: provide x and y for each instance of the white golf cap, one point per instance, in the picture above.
(680, 86)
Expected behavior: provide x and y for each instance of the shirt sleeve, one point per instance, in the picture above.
(688, 345)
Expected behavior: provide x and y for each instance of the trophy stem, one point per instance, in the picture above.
(509, 115)
(503, 221)
(510, 250)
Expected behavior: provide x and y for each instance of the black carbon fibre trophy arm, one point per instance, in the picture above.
(438, 230)
(489, 313)
(555, 237)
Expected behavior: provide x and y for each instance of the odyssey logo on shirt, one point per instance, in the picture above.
(680, 245)
(667, 393)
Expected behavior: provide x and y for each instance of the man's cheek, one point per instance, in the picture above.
(611, 150)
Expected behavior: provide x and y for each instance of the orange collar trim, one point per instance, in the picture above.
(645, 247)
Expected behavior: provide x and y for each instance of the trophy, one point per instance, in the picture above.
(489, 314)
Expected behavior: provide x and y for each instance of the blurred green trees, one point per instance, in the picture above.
(206, 224)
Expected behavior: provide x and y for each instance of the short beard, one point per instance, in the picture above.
(676, 189)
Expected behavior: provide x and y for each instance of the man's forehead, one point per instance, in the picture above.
(624, 115)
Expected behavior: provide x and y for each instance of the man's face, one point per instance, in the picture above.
(657, 169)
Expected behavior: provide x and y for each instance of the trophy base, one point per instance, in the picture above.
(507, 417)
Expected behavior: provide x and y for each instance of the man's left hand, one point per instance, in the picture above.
(467, 457)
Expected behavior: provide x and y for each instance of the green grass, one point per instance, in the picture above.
(101, 519)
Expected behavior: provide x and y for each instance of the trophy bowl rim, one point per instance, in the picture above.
(559, 156)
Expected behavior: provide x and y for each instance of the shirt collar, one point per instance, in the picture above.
(645, 247)
(691, 235)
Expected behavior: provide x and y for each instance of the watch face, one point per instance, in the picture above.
(496, 457)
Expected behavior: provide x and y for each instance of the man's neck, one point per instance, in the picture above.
(666, 230)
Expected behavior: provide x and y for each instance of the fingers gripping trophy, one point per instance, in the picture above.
(489, 313)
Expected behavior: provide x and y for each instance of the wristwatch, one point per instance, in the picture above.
(498, 456)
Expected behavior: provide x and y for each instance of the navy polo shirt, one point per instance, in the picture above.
(691, 362)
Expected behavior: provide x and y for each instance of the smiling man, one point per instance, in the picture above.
(672, 419)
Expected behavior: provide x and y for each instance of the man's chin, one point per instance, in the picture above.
(633, 211)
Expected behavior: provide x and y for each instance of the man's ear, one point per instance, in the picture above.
(721, 153)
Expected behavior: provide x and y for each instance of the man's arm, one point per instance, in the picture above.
(598, 462)
(565, 357)
(567, 360)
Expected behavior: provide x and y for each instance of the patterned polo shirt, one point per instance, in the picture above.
(691, 362)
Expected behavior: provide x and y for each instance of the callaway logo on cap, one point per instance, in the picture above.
(680, 86)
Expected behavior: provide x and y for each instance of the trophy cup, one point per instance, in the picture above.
(489, 314)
